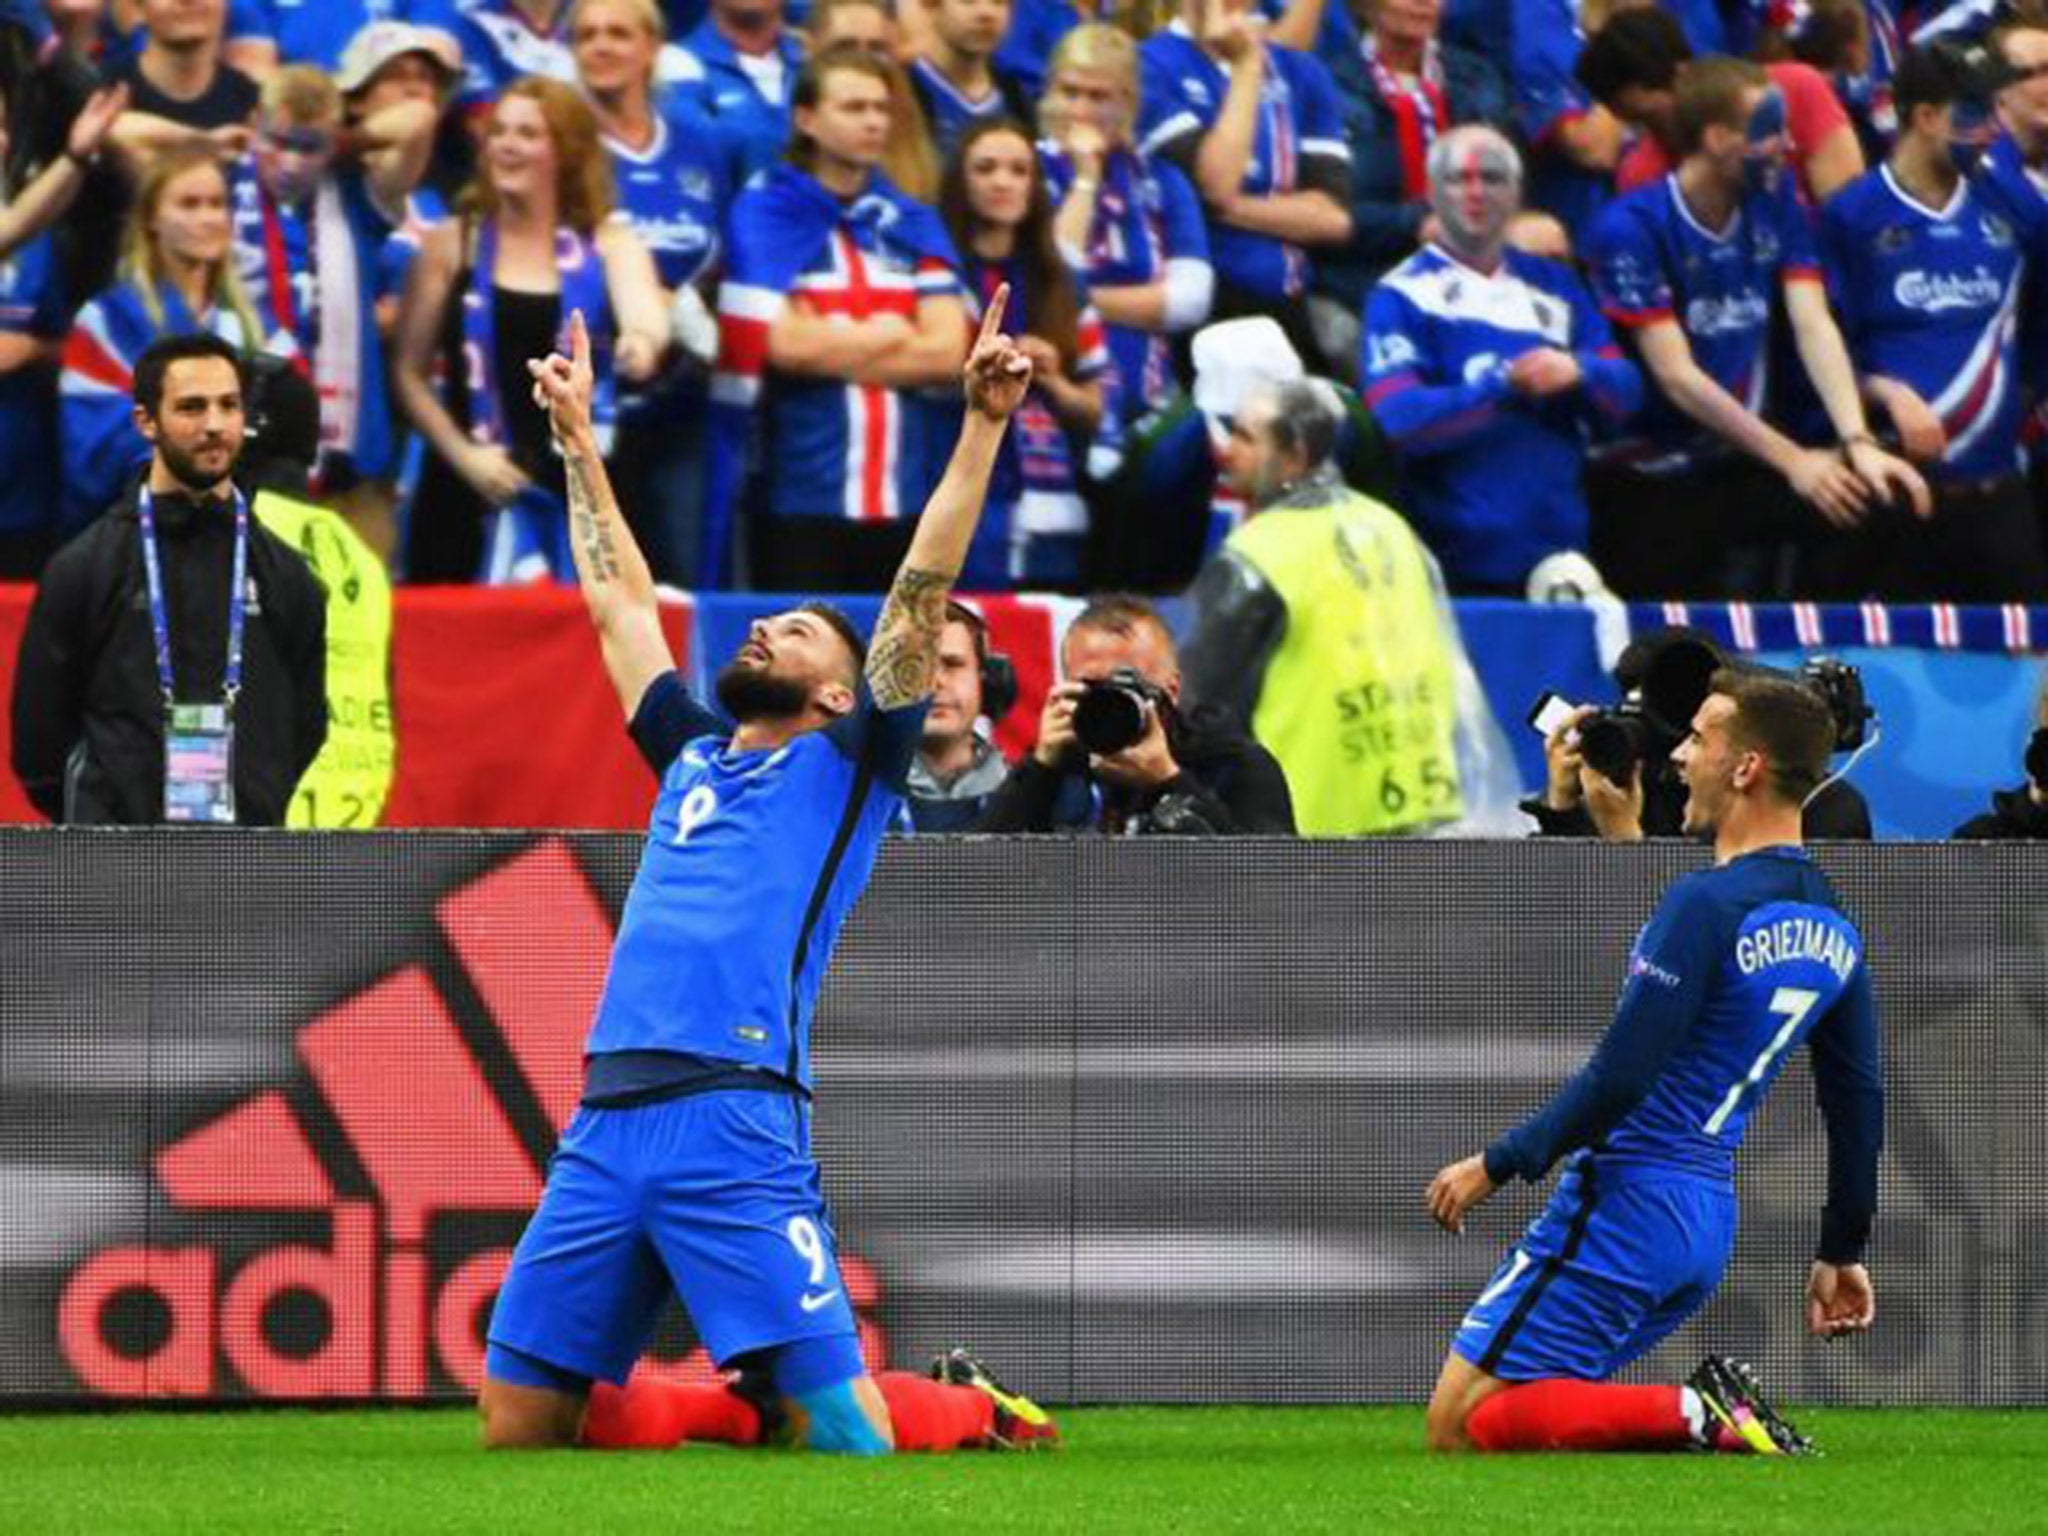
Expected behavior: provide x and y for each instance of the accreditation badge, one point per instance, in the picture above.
(199, 777)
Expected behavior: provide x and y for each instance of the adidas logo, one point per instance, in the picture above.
(418, 1142)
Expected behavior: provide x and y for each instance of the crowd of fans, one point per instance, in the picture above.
(1599, 282)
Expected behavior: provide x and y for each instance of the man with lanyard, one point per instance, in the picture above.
(211, 714)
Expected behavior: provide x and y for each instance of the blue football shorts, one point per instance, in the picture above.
(1618, 1259)
(714, 1195)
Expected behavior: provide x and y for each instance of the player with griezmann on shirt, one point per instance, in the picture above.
(1738, 965)
(688, 1164)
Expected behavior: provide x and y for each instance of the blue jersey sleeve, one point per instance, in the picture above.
(1669, 972)
(1839, 248)
(1627, 271)
(886, 740)
(668, 719)
(1186, 237)
(1318, 118)
(1797, 254)
(1848, 1080)
(1544, 51)
(1613, 384)
(1406, 387)
(1169, 119)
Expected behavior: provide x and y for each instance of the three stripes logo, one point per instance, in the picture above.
(348, 1231)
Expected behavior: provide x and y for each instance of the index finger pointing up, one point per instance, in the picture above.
(992, 319)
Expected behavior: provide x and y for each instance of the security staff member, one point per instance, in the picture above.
(1321, 624)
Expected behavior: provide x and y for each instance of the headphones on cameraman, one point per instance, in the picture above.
(998, 672)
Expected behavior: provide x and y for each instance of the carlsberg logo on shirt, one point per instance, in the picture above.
(1738, 312)
(1932, 292)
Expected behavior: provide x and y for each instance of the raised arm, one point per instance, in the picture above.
(617, 586)
(904, 653)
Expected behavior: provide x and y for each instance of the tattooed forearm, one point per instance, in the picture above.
(904, 656)
(591, 532)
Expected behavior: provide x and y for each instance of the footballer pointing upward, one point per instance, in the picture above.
(687, 1167)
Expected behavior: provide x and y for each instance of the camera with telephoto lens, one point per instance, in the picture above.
(1841, 685)
(1672, 673)
(1112, 712)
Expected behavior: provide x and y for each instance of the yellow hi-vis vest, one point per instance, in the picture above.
(1359, 702)
(351, 778)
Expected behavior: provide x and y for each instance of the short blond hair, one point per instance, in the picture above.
(302, 94)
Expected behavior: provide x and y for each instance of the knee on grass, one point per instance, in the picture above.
(527, 1418)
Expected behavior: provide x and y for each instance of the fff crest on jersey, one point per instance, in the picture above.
(1892, 239)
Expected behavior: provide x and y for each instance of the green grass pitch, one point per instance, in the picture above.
(1125, 1470)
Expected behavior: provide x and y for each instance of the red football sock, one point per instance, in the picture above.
(1564, 1415)
(934, 1416)
(651, 1414)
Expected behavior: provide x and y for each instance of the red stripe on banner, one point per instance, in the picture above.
(861, 300)
(742, 345)
(83, 354)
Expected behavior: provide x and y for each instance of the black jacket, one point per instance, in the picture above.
(2013, 815)
(1228, 783)
(88, 713)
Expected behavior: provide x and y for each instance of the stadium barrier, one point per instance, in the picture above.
(1142, 1121)
(497, 712)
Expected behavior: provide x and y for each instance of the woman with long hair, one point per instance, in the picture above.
(532, 242)
(995, 204)
(671, 186)
(176, 276)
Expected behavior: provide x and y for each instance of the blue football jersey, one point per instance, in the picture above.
(752, 862)
(672, 194)
(1147, 220)
(1650, 259)
(1930, 297)
(307, 31)
(1738, 967)
(1492, 477)
(499, 45)
(1181, 96)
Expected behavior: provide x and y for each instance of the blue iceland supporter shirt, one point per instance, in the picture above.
(1298, 121)
(1738, 967)
(1491, 476)
(1930, 297)
(752, 862)
(1650, 259)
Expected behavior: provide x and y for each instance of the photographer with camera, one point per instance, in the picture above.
(1116, 753)
(2019, 813)
(1609, 772)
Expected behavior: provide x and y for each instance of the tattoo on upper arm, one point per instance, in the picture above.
(904, 656)
(592, 533)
